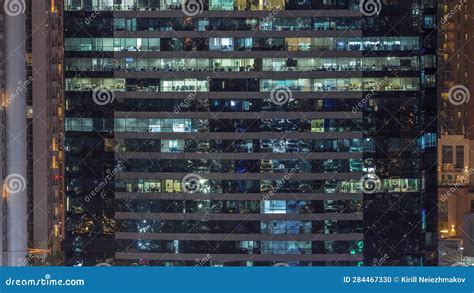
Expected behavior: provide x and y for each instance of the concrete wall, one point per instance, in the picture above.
(454, 203)
(468, 227)
(16, 138)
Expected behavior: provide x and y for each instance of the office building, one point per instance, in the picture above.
(250, 133)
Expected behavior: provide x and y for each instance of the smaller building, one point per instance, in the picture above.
(455, 193)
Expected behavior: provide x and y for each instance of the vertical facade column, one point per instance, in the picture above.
(41, 84)
(16, 139)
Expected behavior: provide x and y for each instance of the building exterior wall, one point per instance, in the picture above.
(454, 203)
(31, 87)
(46, 106)
(456, 115)
(457, 66)
(14, 189)
(3, 211)
(243, 142)
(468, 226)
(454, 176)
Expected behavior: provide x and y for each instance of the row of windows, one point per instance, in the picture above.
(227, 5)
(243, 44)
(248, 263)
(243, 247)
(242, 207)
(80, 102)
(242, 65)
(448, 155)
(211, 125)
(355, 145)
(343, 84)
(99, 26)
(257, 186)
(244, 166)
(242, 227)
(226, 24)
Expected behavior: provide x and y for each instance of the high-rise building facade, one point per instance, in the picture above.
(456, 116)
(31, 132)
(45, 122)
(456, 169)
(250, 133)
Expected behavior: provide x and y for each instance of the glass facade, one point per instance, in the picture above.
(278, 111)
